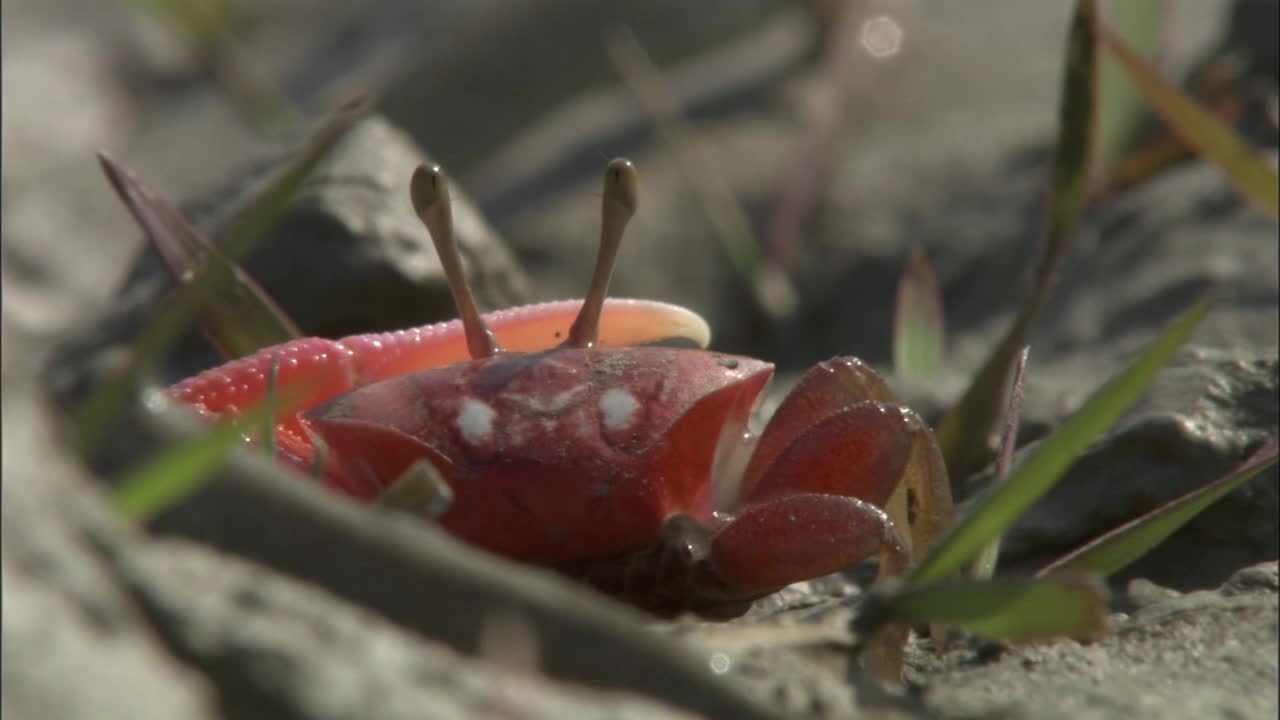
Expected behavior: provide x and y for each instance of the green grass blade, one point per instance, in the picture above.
(919, 335)
(1005, 609)
(1122, 113)
(95, 417)
(174, 474)
(241, 318)
(1116, 549)
(1198, 128)
(199, 23)
(270, 402)
(179, 471)
(964, 434)
(1001, 505)
(252, 221)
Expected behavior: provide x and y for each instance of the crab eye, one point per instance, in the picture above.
(622, 184)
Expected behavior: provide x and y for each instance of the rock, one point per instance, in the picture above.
(1264, 577)
(75, 645)
(1210, 653)
(348, 255)
(1203, 654)
(1203, 417)
(278, 648)
(416, 576)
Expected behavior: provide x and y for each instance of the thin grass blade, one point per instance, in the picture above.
(1005, 609)
(1001, 505)
(200, 24)
(1122, 113)
(770, 285)
(255, 218)
(175, 474)
(241, 318)
(965, 432)
(984, 566)
(94, 418)
(270, 401)
(919, 334)
(1198, 128)
(1120, 547)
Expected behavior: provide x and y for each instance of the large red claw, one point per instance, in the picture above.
(800, 537)
(821, 391)
(327, 368)
(307, 371)
(859, 451)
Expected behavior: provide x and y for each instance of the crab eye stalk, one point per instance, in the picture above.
(430, 194)
(621, 186)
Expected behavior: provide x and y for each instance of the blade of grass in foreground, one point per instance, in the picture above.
(984, 566)
(255, 218)
(175, 474)
(242, 318)
(1005, 609)
(1116, 549)
(94, 418)
(1001, 505)
(1121, 110)
(919, 337)
(178, 471)
(1200, 129)
(964, 434)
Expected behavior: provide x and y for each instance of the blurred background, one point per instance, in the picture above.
(792, 154)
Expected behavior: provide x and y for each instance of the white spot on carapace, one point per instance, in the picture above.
(618, 408)
(475, 422)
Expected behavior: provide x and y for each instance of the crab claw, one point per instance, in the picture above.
(827, 485)
(823, 390)
(859, 451)
(800, 537)
(817, 508)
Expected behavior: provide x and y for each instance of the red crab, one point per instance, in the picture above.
(629, 466)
